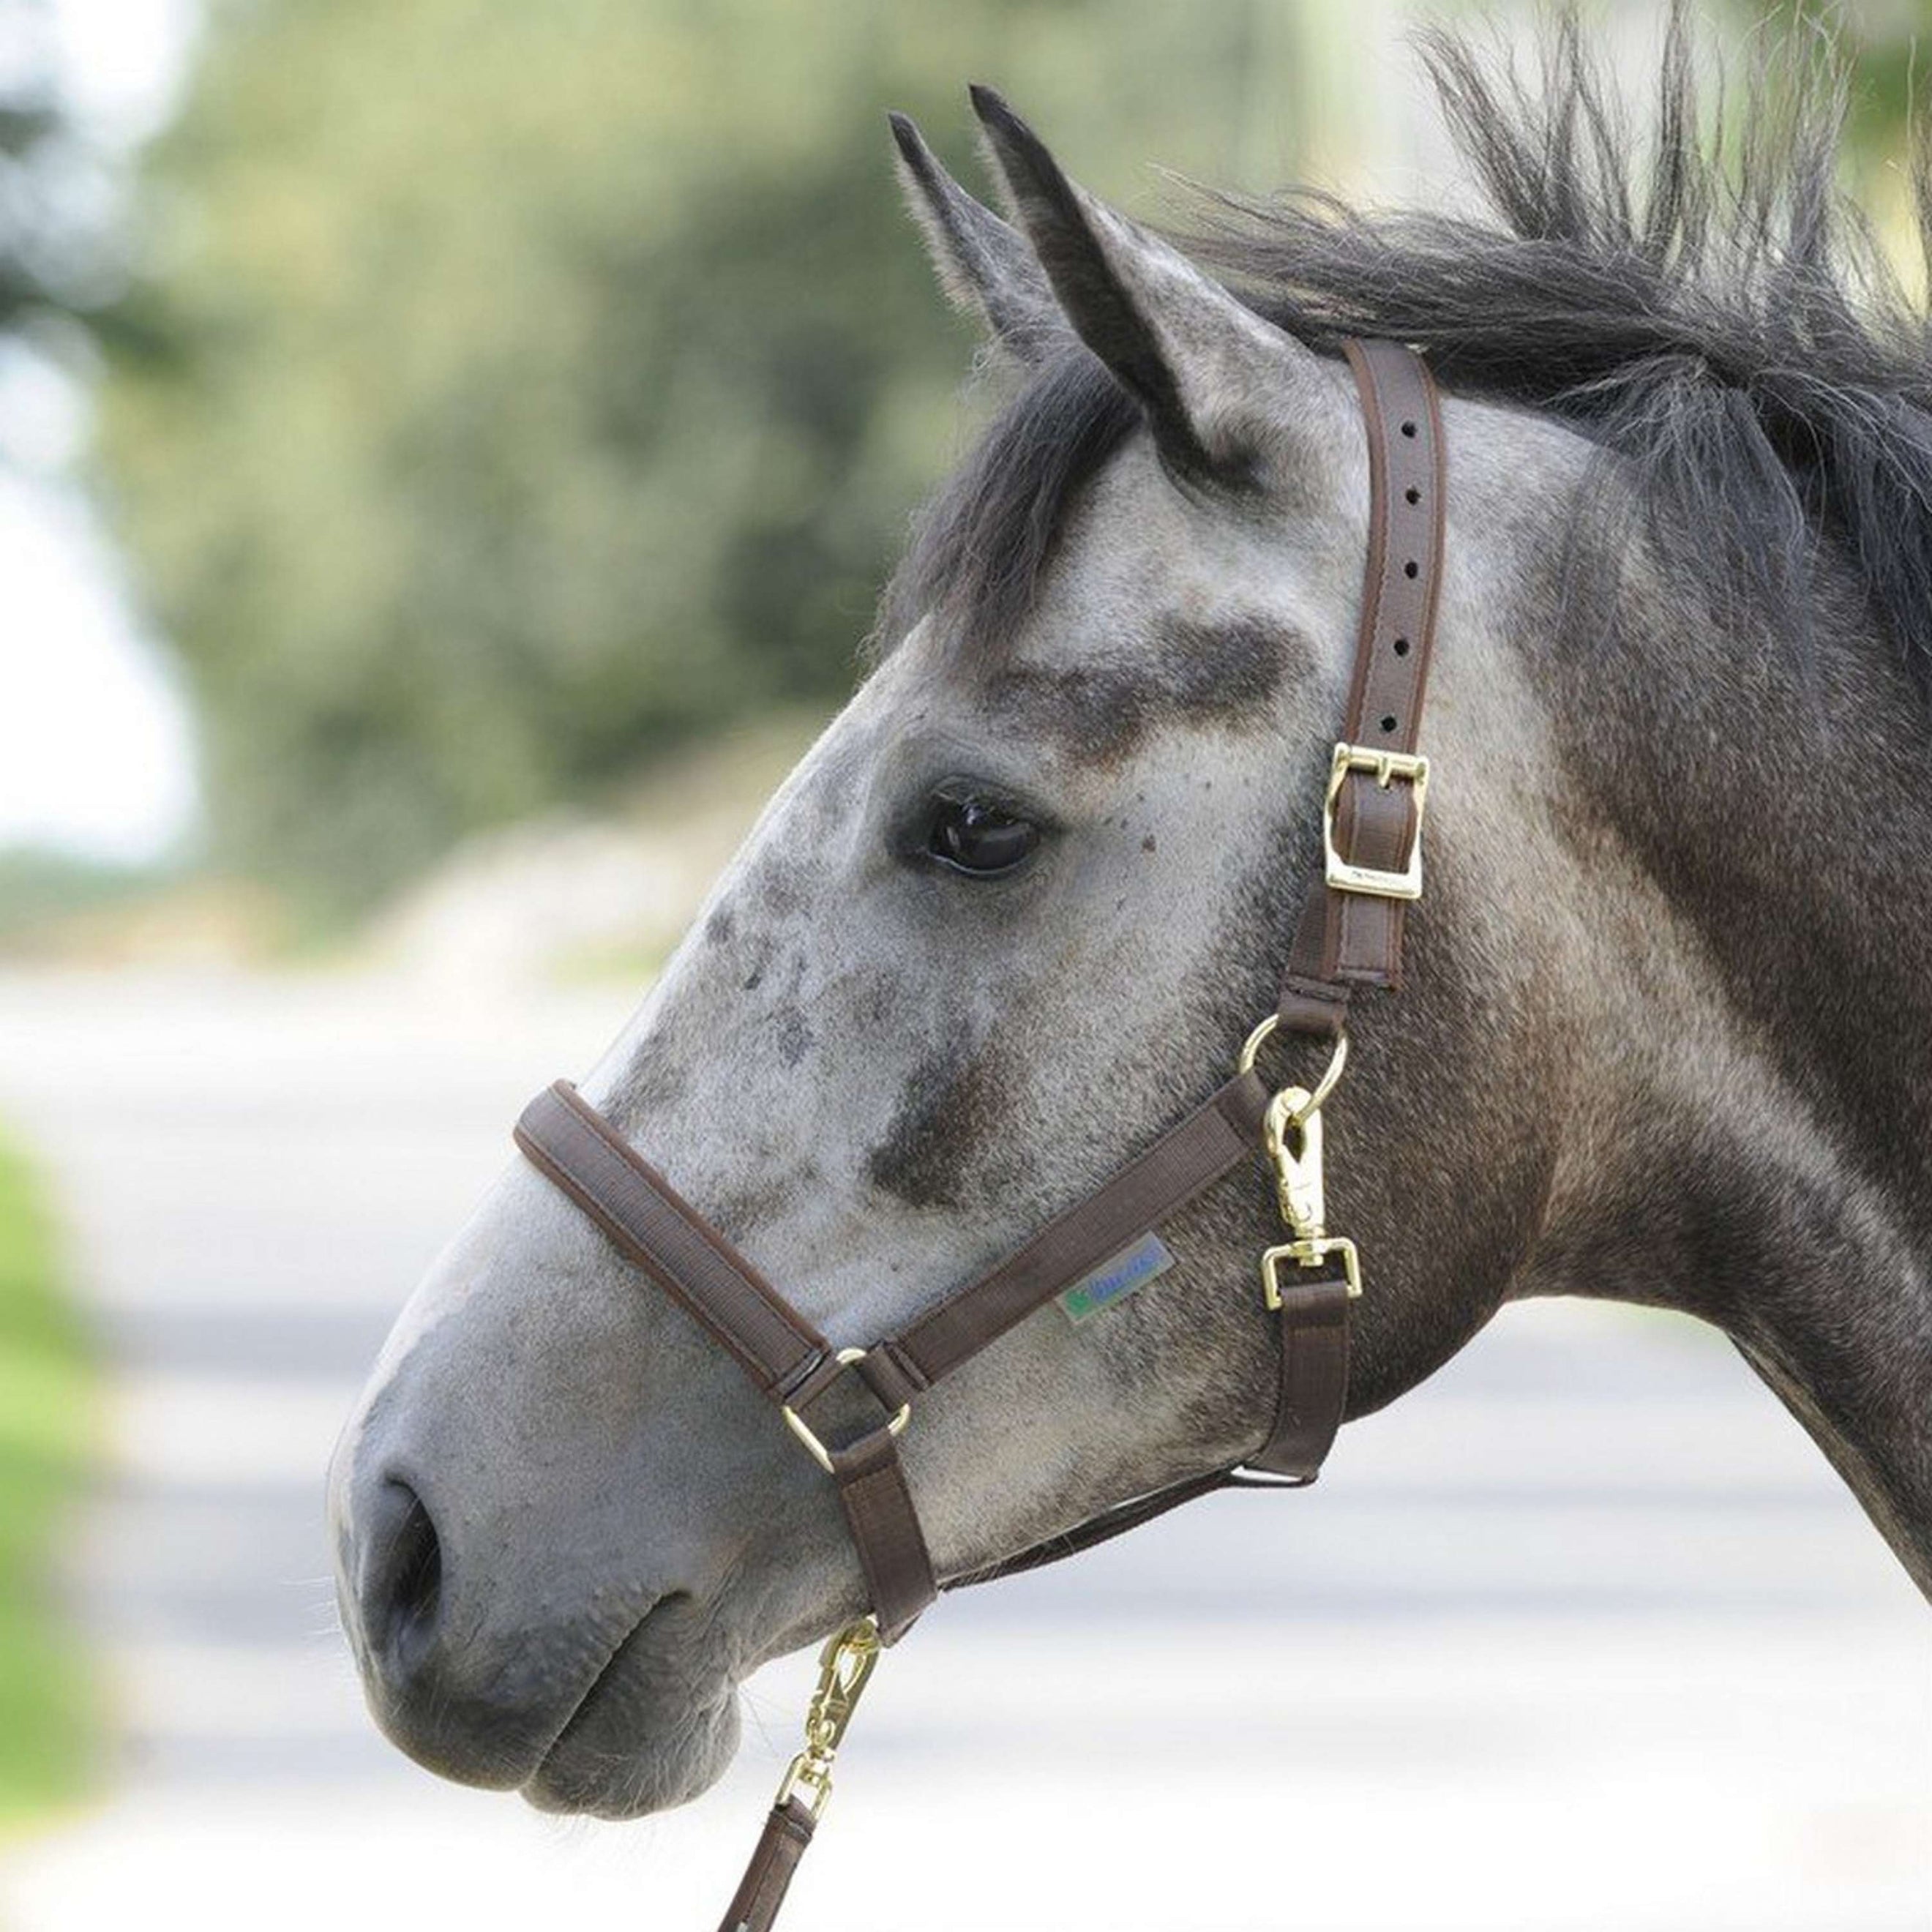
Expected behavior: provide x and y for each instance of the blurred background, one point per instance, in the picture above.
(448, 451)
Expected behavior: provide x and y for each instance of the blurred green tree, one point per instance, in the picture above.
(504, 391)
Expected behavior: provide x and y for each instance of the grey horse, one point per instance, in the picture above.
(1667, 1037)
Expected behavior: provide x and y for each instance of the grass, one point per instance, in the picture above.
(47, 1728)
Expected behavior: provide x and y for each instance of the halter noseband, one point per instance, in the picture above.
(1350, 934)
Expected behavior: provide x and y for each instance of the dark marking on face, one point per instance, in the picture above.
(952, 1114)
(741, 1211)
(1224, 673)
(1099, 716)
(719, 927)
(791, 1025)
(783, 889)
(881, 998)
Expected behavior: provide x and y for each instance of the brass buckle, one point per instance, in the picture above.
(1310, 1251)
(1387, 766)
(806, 1434)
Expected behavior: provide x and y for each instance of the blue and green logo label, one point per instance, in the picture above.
(1115, 1280)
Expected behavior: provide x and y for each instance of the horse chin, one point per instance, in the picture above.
(623, 1762)
(656, 1728)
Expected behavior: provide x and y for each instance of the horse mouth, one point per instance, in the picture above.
(654, 1729)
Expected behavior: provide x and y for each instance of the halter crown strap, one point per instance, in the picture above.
(1351, 921)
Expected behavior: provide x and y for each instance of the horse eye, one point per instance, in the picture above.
(980, 839)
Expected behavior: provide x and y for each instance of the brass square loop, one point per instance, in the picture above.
(1310, 1254)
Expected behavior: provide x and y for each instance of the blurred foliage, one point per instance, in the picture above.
(46, 1708)
(1878, 43)
(506, 391)
(1877, 40)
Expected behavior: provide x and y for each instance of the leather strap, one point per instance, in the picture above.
(661, 1233)
(1347, 938)
(755, 1905)
(884, 1525)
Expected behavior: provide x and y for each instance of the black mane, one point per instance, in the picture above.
(1731, 327)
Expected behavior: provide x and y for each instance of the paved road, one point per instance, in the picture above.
(1582, 1636)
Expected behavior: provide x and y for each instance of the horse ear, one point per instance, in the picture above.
(985, 265)
(1197, 361)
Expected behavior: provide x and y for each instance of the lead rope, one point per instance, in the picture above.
(845, 1666)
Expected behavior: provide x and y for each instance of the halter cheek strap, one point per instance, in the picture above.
(1350, 934)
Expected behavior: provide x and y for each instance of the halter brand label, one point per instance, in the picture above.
(1113, 1280)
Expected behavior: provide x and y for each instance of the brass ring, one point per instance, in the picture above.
(1323, 1088)
(807, 1434)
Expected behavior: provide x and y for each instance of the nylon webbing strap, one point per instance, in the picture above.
(1214, 1137)
(1350, 936)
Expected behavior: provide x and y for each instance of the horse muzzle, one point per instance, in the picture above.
(615, 1704)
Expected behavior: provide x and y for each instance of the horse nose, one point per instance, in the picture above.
(442, 1690)
(398, 1580)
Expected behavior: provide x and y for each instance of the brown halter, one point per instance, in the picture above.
(1350, 934)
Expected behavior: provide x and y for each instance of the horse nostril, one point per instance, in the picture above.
(402, 1583)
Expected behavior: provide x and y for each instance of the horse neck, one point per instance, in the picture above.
(1757, 1146)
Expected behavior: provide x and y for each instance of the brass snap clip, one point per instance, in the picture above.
(844, 1666)
(1292, 1135)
